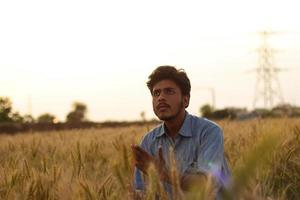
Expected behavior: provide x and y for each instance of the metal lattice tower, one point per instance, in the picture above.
(267, 88)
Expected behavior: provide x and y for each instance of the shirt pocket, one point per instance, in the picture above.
(188, 158)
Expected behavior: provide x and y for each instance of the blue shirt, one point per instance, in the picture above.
(198, 148)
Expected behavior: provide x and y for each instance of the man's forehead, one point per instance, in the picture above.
(165, 84)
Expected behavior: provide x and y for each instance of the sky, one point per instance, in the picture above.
(53, 53)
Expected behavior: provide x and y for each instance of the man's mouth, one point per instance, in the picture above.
(162, 106)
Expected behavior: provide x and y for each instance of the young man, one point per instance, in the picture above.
(197, 143)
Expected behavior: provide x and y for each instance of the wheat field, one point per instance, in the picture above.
(263, 154)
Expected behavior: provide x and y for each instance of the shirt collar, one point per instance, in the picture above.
(185, 129)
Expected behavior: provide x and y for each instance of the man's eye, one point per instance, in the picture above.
(169, 91)
(156, 93)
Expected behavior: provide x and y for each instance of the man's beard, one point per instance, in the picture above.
(169, 118)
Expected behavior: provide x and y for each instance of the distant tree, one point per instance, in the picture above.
(78, 113)
(283, 110)
(143, 116)
(5, 109)
(226, 113)
(16, 117)
(28, 119)
(46, 118)
(262, 112)
(206, 110)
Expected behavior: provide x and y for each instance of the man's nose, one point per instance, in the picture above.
(161, 97)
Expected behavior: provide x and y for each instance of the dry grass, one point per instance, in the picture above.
(264, 156)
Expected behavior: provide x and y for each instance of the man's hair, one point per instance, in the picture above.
(170, 73)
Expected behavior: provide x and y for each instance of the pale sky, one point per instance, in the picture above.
(53, 53)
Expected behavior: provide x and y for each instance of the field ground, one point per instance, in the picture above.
(264, 156)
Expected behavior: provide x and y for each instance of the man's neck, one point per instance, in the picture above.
(174, 125)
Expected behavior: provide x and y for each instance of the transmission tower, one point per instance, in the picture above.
(267, 88)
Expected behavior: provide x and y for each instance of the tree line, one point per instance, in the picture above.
(13, 122)
(7, 115)
(281, 110)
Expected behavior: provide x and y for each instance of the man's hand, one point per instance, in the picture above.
(144, 159)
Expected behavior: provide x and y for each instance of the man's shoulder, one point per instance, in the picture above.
(154, 132)
(204, 129)
(203, 123)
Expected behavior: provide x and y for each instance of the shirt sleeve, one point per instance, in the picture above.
(210, 154)
(138, 174)
(138, 180)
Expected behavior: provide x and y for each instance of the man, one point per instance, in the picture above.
(197, 143)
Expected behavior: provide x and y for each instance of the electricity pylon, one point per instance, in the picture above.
(267, 88)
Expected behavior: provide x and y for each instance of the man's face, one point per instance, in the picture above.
(167, 100)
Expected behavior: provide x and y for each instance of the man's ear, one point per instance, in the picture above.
(186, 101)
